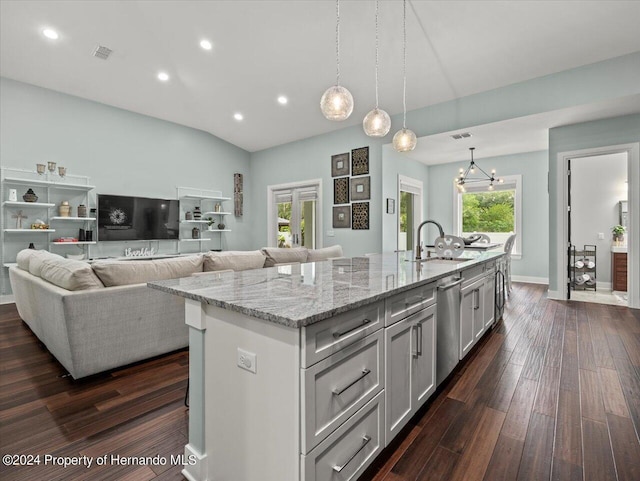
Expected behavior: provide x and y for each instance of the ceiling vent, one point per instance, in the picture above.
(102, 52)
(464, 135)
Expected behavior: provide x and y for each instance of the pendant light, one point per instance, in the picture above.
(377, 122)
(465, 178)
(337, 102)
(404, 140)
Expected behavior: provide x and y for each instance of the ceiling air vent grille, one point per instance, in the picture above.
(464, 135)
(102, 52)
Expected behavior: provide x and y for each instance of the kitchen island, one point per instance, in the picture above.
(306, 372)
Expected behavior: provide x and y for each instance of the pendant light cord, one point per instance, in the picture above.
(404, 64)
(376, 54)
(337, 42)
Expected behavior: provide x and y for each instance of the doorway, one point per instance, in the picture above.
(409, 212)
(295, 213)
(596, 263)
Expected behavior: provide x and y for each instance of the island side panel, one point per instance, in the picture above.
(252, 420)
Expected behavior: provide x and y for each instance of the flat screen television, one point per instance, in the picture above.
(123, 218)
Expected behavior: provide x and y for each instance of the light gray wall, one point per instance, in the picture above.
(597, 185)
(122, 152)
(311, 159)
(395, 164)
(533, 167)
(599, 133)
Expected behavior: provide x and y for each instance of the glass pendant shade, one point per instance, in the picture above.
(336, 103)
(404, 140)
(376, 123)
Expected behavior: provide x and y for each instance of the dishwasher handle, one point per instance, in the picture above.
(453, 284)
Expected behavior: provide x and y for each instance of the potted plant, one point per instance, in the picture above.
(210, 223)
(618, 232)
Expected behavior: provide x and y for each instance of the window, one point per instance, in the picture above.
(496, 213)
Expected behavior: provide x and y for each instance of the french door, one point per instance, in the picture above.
(295, 214)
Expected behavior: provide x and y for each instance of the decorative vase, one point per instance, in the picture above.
(64, 209)
(217, 208)
(82, 210)
(212, 227)
(195, 233)
(220, 226)
(40, 168)
(197, 214)
(30, 196)
(188, 215)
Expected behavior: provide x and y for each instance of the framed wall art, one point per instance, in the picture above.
(342, 217)
(340, 164)
(361, 188)
(341, 190)
(360, 161)
(360, 216)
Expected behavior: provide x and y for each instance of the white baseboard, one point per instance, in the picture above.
(557, 295)
(198, 470)
(7, 299)
(530, 280)
(605, 286)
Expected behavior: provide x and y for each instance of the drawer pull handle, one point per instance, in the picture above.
(338, 335)
(365, 441)
(337, 392)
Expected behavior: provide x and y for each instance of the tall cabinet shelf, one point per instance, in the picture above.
(583, 268)
(51, 190)
(210, 203)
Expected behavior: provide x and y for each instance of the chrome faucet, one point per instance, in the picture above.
(418, 245)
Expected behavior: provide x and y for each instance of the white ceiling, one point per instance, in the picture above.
(524, 134)
(263, 49)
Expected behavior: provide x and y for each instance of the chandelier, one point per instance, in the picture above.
(466, 176)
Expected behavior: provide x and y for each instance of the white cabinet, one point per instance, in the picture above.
(410, 374)
(477, 311)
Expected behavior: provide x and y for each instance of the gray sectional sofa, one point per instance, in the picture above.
(98, 316)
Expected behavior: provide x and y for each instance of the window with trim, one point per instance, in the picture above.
(496, 212)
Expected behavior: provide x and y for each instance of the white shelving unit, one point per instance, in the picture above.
(51, 190)
(205, 199)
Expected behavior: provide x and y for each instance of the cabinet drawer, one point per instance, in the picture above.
(406, 303)
(347, 452)
(476, 272)
(324, 338)
(335, 388)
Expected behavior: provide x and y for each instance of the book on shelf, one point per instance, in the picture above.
(66, 239)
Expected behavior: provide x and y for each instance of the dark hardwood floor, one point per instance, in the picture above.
(553, 392)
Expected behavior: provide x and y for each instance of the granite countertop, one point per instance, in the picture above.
(302, 294)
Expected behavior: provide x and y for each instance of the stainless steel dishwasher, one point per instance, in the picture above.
(448, 335)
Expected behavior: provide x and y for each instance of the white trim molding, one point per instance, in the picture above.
(530, 280)
(195, 467)
(561, 239)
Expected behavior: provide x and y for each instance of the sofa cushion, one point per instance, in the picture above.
(122, 273)
(234, 260)
(69, 274)
(24, 258)
(38, 259)
(324, 254)
(279, 255)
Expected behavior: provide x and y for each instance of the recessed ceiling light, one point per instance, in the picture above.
(163, 76)
(238, 116)
(283, 100)
(50, 33)
(205, 44)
